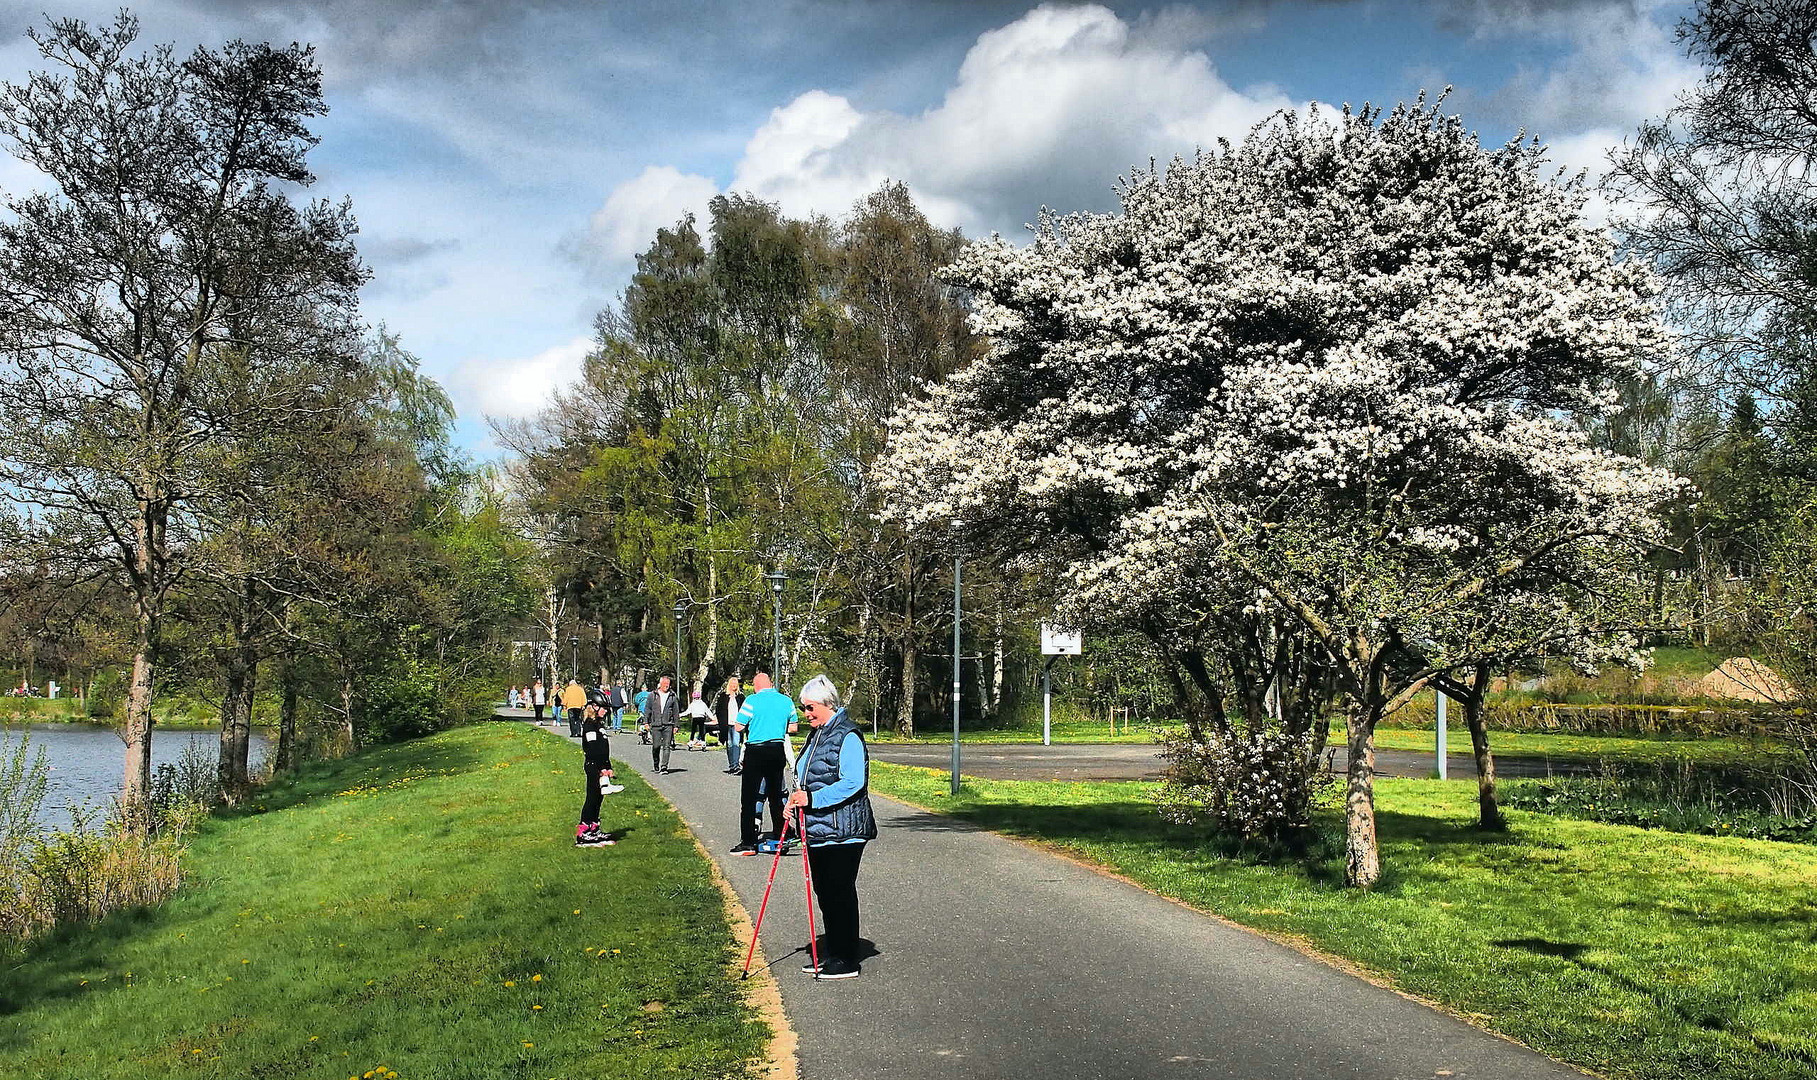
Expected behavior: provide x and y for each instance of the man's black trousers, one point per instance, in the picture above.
(763, 765)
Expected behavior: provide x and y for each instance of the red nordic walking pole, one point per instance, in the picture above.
(781, 842)
(807, 873)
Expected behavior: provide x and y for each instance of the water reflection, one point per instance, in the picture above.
(87, 762)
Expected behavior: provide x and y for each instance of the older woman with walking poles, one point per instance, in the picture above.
(834, 798)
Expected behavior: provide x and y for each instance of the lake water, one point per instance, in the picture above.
(87, 763)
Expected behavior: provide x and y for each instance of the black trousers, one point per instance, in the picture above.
(574, 723)
(763, 764)
(539, 714)
(589, 808)
(835, 870)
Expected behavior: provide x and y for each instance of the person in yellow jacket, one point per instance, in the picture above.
(574, 699)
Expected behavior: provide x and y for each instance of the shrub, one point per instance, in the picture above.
(52, 878)
(1766, 802)
(24, 777)
(1250, 786)
(404, 704)
(180, 788)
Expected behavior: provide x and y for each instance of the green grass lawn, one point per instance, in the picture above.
(1630, 952)
(1510, 743)
(419, 907)
(1574, 747)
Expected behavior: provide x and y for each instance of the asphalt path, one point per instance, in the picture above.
(993, 959)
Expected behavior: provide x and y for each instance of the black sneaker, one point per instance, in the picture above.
(745, 849)
(811, 968)
(834, 967)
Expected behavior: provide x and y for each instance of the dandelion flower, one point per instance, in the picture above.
(536, 978)
(509, 982)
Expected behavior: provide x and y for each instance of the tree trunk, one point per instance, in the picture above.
(997, 652)
(347, 731)
(905, 708)
(233, 683)
(1489, 810)
(236, 701)
(711, 652)
(865, 667)
(135, 795)
(286, 755)
(1362, 858)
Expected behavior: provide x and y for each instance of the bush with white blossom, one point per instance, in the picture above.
(1250, 785)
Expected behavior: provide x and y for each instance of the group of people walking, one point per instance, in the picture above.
(823, 802)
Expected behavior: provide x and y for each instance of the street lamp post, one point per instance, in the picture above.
(958, 622)
(681, 611)
(776, 578)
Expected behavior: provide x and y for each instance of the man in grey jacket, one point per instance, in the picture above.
(662, 714)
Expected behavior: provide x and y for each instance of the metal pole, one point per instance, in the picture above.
(778, 672)
(1443, 772)
(1047, 703)
(957, 622)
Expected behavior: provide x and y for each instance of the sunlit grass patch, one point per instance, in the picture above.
(1632, 952)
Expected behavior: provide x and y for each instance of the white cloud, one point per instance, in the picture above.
(1048, 110)
(1624, 66)
(521, 387)
(655, 198)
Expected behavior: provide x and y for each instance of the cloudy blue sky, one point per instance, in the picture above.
(507, 160)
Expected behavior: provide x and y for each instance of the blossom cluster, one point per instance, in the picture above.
(1358, 340)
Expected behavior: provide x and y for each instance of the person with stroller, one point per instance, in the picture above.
(698, 715)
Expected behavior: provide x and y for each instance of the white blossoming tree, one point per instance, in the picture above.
(1330, 374)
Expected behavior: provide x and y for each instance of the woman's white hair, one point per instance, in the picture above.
(821, 689)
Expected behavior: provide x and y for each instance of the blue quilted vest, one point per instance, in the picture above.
(851, 819)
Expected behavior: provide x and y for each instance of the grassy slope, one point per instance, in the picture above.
(397, 909)
(1634, 953)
